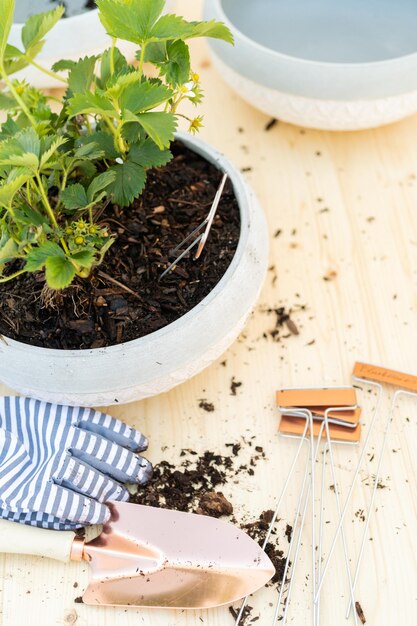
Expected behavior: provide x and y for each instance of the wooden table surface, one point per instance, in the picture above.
(342, 213)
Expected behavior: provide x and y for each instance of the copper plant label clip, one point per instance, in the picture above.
(385, 376)
(317, 397)
(330, 406)
(294, 426)
(343, 417)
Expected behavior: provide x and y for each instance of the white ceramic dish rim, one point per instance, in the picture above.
(281, 55)
(220, 161)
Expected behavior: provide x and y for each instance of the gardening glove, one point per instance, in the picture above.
(60, 464)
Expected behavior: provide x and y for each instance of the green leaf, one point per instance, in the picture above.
(8, 252)
(119, 84)
(28, 159)
(84, 258)
(170, 27)
(86, 169)
(131, 20)
(148, 154)
(15, 65)
(100, 140)
(160, 127)
(120, 65)
(22, 150)
(138, 97)
(38, 25)
(156, 52)
(74, 197)
(92, 103)
(175, 27)
(89, 150)
(6, 102)
(14, 59)
(99, 183)
(6, 21)
(128, 183)
(132, 132)
(81, 75)
(36, 258)
(11, 52)
(29, 141)
(49, 152)
(9, 189)
(29, 216)
(213, 29)
(176, 69)
(9, 129)
(63, 64)
(59, 272)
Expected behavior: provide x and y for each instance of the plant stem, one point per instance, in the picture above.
(15, 275)
(46, 201)
(113, 45)
(142, 58)
(16, 96)
(118, 139)
(49, 210)
(45, 70)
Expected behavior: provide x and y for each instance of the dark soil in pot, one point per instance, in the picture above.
(98, 312)
(25, 8)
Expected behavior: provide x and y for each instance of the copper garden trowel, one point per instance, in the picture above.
(153, 557)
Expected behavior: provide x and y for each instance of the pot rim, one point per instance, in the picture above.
(295, 59)
(241, 192)
(72, 20)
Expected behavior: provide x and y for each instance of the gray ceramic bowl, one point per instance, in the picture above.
(322, 63)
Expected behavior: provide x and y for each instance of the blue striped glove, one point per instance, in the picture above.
(60, 464)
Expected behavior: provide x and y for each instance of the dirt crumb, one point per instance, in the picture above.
(360, 612)
(272, 122)
(205, 405)
(234, 384)
(215, 504)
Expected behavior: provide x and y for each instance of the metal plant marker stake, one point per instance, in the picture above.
(349, 495)
(198, 237)
(287, 482)
(371, 507)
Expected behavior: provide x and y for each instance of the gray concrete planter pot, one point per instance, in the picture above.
(158, 362)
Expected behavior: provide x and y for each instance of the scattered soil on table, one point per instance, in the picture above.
(258, 530)
(183, 488)
(215, 504)
(360, 612)
(95, 313)
(247, 618)
(288, 532)
(205, 405)
(234, 384)
(283, 322)
(272, 122)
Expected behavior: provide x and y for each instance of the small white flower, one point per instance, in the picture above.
(187, 90)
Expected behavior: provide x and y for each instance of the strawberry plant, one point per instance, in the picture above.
(60, 165)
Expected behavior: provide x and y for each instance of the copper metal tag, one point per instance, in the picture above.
(328, 397)
(384, 375)
(296, 425)
(348, 417)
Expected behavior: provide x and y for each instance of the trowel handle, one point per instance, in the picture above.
(18, 538)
